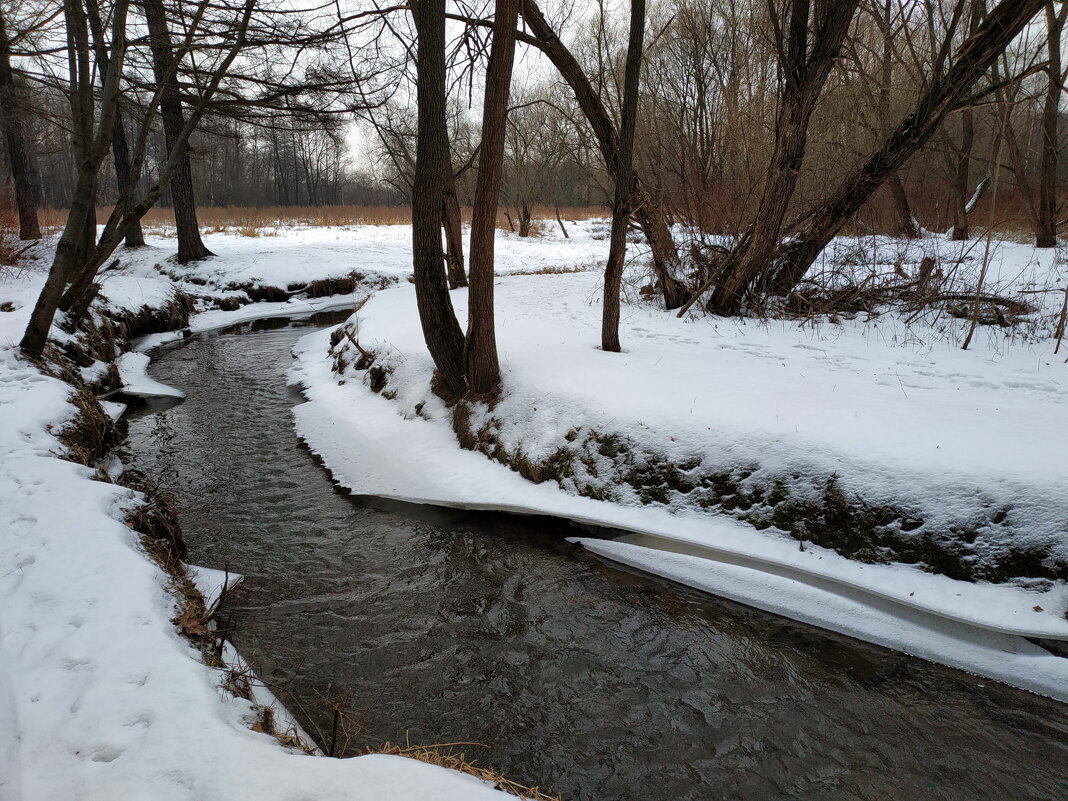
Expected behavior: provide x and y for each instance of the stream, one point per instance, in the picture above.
(569, 673)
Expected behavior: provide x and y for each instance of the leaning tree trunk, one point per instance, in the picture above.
(441, 331)
(805, 71)
(647, 211)
(190, 245)
(1047, 184)
(617, 249)
(480, 353)
(15, 136)
(120, 149)
(973, 58)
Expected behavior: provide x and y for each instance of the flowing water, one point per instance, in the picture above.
(575, 675)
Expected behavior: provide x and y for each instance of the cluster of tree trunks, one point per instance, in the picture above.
(79, 253)
(646, 210)
(810, 48)
(91, 145)
(780, 270)
(770, 257)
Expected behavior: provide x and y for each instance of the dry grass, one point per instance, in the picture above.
(249, 221)
(91, 434)
(10, 247)
(255, 222)
(444, 755)
(553, 270)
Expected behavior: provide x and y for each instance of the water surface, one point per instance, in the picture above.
(577, 675)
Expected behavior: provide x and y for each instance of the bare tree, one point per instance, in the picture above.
(441, 331)
(92, 139)
(70, 278)
(190, 245)
(120, 149)
(649, 213)
(964, 196)
(11, 116)
(617, 249)
(480, 354)
(972, 59)
(787, 262)
(807, 47)
(1046, 236)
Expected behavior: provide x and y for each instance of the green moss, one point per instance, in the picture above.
(828, 518)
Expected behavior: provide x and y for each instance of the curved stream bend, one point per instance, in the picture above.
(450, 626)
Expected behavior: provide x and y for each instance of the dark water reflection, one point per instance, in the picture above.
(601, 684)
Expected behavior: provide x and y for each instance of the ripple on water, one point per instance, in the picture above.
(451, 626)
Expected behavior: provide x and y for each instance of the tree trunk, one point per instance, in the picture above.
(454, 235)
(906, 220)
(961, 177)
(523, 214)
(120, 149)
(441, 331)
(963, 196)
(1047, 185)
(190, 245)
(480, 354)
(973, 58)
(14, 134)
(648, 212)
(617, 248)
(1019, 172)
(804, 75)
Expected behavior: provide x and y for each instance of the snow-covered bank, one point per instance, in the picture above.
(374, 451)
(100, 697)
(953, 438)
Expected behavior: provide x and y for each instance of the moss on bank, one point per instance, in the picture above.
(611, 466)
(608, 466)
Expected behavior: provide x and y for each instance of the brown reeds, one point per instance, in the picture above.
(254, 222)
(444, 755)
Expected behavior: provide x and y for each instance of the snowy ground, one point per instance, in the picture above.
(896, 414)
(100, 697)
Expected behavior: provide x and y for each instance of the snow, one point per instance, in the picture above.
(294, 256)
(948, 432)
(372, 450)
(895, 413)
(845, 610)
(99, 696)
(133, 369)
